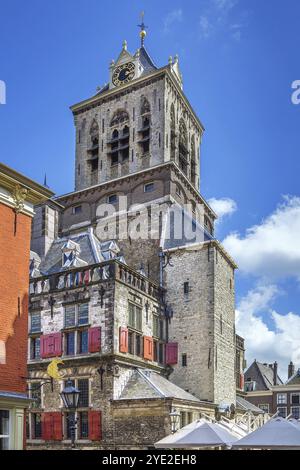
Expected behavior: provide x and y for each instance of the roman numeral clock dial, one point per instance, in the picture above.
(123, 74)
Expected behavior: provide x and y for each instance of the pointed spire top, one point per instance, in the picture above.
(45, 181)
(143, 27)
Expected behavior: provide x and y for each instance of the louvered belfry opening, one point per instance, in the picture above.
(119, 138)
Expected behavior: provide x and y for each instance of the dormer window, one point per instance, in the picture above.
(76, 210)
(112, 199)
(149, 187)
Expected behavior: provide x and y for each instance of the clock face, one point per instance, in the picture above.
(123, 74)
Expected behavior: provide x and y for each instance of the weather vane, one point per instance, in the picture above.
(143, 28)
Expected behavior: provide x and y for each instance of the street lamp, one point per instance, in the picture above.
(174, 417)
(70, 398)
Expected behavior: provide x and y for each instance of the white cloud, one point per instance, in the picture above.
(223, 207)
(270, 249)
(281, 343)
(216, 18)
(174, 16)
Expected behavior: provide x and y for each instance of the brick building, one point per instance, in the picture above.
(18, 194)
(143, 323)
(265, 389)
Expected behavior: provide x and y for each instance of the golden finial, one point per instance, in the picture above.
(143, 27)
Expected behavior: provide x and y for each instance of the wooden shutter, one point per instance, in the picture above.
(94, 339)
(52, 426)
(148, 348)
(242, 381)
(172, 353)
(51, 345)
(123, 340)
(95, 426)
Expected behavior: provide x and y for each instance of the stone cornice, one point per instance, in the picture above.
(140, 174)
(109, 95)
(20, 192)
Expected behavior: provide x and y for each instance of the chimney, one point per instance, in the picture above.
(275, 369)
(291, 370)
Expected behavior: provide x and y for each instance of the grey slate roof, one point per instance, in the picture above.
(295, 379)
(146, 61)
(182, 230)
(145, 383)
(243, 404)
(262, 374)
(91, 252)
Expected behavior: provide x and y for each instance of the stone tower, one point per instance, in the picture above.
(141, 124)
(127, 307)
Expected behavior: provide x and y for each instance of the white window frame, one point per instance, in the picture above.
(265, 405)
(9, 435)
(282, 408)
(281, 402)
(297, 407)
(295, 394)
(76, 207)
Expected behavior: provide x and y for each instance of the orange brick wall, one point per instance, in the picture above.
(14, 284)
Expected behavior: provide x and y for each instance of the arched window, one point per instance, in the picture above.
(121, 116)
(145, 128)
(93, 152)
(183, 147)
(173, 133)
(119, 144)
(193, 161)
(115, 134)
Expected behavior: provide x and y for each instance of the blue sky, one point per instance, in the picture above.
(238, 59)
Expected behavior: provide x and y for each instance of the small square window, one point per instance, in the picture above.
(149, 187)
(77, 210)
(281, 398)
(112, 199)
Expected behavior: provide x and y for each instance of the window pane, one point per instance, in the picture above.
(36, 426)
(35, 326)
(70, 316)
(36, 394)
(83, 425)
(155, 325)
(296, 399)
(83, 387)
(69, 424)
(83, 314)
(130, 343)
(296, 412)
(138, 318)
(131, 316)
(70, 343)
(281, 412)
(35, 348)
(138, 349)
(83, 342)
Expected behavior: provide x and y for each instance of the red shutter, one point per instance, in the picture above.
(172, 353)
(123, 340)
(47, 426)
(95, 428)
(51, 345)
(42, 347)
(52, 426)
(148, 348)
(242, 381)
(94, 339)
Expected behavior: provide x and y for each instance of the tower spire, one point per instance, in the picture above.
(143, 27)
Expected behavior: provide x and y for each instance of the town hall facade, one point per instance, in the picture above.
(141, 324)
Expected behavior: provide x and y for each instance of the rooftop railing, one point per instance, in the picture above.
(88, 275)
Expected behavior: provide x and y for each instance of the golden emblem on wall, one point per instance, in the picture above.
(52, 369)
